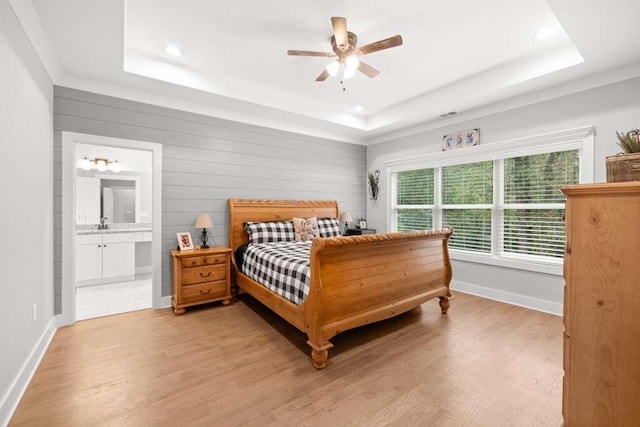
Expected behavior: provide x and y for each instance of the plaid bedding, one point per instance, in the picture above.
(271, 231)
(282, 267)
(329, 227)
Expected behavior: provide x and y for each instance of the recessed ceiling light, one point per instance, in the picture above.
(358, 108)
(173, 50)
(543, 33)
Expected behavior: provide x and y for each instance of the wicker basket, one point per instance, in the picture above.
(623, 167)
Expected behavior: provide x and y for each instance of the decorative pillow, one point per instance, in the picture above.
(329, 227)
(306, 229)
(267, 232)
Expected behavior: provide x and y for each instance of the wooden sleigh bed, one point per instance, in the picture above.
(354, 280)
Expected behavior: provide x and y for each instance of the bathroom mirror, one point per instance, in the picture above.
(119, 200)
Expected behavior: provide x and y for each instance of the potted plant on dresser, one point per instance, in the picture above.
(625, 166)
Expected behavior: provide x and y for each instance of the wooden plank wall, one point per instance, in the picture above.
(207, 160)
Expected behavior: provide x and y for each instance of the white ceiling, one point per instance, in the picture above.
(458, 55)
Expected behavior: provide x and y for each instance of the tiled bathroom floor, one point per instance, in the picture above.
(113, 298)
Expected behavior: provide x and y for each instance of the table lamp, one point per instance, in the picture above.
(204, 222)
(346, 218)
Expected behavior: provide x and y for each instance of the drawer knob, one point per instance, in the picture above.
(205, 275)
(205, 292)
(194, 262)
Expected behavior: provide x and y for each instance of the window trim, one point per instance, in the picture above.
(581, 139)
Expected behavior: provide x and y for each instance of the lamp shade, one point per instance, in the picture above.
(204, 221)
(346, 217)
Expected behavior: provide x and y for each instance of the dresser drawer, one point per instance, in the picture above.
(208, 273)
(196, 261)
(204, 291)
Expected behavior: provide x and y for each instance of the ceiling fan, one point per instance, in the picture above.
(344, 45)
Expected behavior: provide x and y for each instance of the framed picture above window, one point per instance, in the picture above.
(465, 138)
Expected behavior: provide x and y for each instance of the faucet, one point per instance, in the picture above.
(103, 225)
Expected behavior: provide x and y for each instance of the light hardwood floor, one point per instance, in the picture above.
(485, 363)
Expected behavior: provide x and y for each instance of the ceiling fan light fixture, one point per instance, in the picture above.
(348, 73)
(344, 45)
(333, 68)
(351, 63)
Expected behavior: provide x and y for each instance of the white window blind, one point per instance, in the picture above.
(467, 200)
(533, 205)
(414, 201)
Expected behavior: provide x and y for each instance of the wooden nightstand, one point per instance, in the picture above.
(359, 231)
(201, 276)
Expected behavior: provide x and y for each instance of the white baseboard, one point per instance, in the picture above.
(12, 397)
(144, 270)
(510, 298)
(166, 302)
(83, 283)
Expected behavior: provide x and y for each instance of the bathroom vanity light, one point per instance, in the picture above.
(204, 222)
(99, 163)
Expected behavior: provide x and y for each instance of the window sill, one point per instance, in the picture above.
(553, 268)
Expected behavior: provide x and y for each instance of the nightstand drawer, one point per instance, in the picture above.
(196, 261)
(207, 273)
(204, 291)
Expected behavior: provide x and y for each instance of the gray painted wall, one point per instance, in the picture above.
(26, 212)
(208, 160)
(609, 108)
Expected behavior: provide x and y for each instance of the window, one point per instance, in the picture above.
(415, 200)
(502, 200)
(533, 203)
(467, 199)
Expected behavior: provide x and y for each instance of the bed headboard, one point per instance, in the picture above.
(246, 210)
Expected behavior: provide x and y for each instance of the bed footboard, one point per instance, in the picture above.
(358, 280)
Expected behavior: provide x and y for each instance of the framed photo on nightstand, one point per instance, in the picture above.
(362, 224)
(184, 241)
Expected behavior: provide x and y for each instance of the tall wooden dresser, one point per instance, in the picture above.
(602, 305)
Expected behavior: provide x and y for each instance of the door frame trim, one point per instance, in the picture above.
(69, 141)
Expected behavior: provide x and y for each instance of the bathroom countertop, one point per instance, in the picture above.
(82, 229)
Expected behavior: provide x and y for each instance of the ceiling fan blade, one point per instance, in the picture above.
(323, 76)
(380, 45)
(367, 70)
(340, 32)
(310, 53)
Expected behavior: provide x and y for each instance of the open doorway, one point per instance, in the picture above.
(111, 231)
(113, 200)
